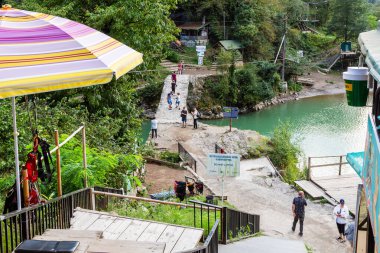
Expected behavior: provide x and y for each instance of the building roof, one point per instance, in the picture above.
(370, 47)
(231, 44)
(192, 26)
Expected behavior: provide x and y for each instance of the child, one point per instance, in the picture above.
(170, 101)
(178, 101)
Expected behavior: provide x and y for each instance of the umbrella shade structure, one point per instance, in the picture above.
(41, 53)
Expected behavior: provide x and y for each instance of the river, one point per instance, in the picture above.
(323, 125)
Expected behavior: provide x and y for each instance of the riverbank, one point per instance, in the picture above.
(322, 84)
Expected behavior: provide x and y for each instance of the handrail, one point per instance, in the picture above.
(310, 166)
(205, 204)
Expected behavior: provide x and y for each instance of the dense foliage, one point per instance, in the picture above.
(110, 112)
(284, 153)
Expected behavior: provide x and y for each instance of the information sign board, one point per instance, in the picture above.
(230, 112)
(223, 165)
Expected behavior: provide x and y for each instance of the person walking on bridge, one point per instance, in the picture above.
(298, 209)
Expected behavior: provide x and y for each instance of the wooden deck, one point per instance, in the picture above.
(340, 187)
(113, 227)
(92, 242)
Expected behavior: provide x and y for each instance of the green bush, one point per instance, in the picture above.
(172, 157)
(294, 86)
(151, 93)
(173, 56)
(284, 153)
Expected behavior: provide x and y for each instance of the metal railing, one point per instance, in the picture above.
(15, 227)
(211, 243)
(234, 223)
(330, 161)
(187, 157)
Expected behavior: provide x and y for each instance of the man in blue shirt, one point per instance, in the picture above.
(298, 209)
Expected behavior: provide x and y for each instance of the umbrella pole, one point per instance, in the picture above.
(15, 135)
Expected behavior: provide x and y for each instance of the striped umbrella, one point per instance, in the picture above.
(41, 53)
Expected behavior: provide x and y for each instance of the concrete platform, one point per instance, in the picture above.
(264, 244)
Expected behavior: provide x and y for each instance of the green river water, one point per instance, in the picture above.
(323, 125)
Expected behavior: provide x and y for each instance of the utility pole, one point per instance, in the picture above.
(284, 52)
(224, 25)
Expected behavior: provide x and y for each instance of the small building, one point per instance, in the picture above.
(231, 45)
(194, 33)
(236, 46)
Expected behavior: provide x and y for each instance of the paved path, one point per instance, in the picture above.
(264, 244)
(163, 114)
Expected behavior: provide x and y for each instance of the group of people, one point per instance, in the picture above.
(170, 96)
(193, 113)
(341, 215)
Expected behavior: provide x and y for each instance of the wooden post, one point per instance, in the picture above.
(58, 158)
(340, 165)
(309, 169)
(25, 186)
(84, 155)
(230, 124)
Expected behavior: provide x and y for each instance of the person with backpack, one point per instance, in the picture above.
(195, 114)
(341, 214)
(184, 117)
(298, 208)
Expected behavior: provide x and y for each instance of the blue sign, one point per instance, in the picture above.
(230, 112)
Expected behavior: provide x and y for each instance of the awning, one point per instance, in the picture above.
(370, 47)
(356, 161)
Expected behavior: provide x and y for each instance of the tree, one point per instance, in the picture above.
(143, 25)
(348, 18)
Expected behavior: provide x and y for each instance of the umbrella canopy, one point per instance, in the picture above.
(41, 53)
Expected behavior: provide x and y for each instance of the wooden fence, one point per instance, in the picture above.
(330, 163)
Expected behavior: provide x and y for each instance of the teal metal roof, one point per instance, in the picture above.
(356, 161)
(370, 47)
(231, 44)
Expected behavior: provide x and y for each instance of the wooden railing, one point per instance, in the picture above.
(311, 165)
(15, 227)
(187, 157)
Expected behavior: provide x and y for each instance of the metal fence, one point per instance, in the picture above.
(15, 227)
(187, 157)
(234, 223)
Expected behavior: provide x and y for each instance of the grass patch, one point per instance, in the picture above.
(169, 156)
(166, 213)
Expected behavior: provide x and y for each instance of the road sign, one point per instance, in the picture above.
(230, 112)
(223, 165)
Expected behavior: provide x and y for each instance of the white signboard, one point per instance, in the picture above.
(223, 165)
(200, 48)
